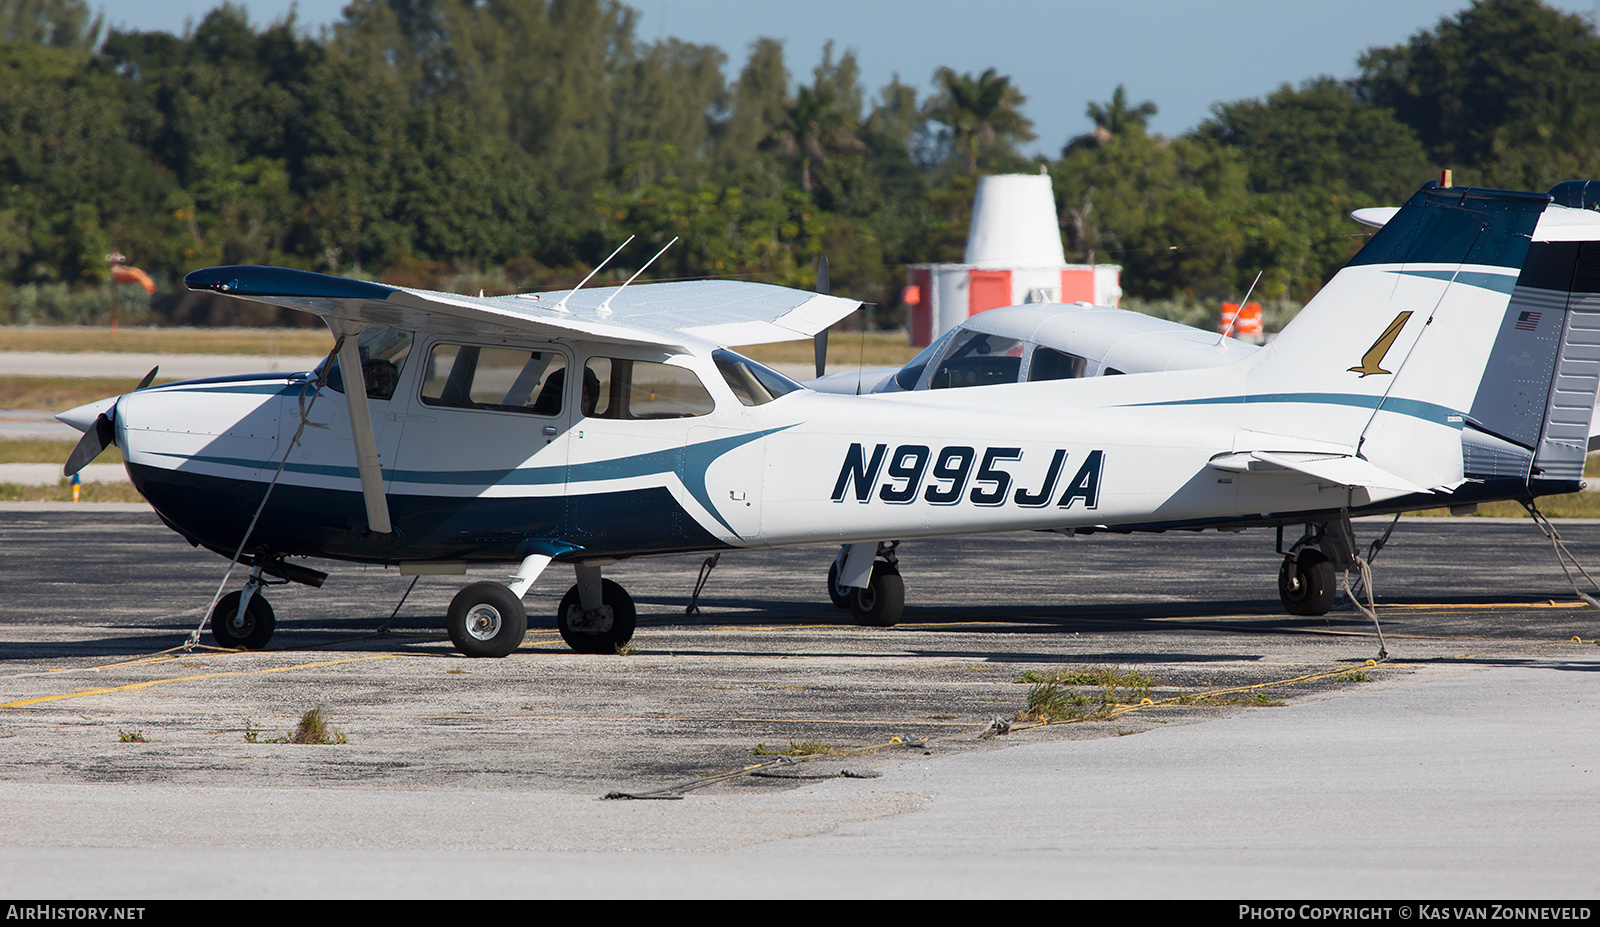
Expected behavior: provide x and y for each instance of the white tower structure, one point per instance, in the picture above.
(1014, 255)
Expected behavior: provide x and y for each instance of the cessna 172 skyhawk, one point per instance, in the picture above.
(1455, 359)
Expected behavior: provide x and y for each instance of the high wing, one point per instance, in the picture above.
(680, 315)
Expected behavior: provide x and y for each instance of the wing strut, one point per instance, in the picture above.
(355, 393)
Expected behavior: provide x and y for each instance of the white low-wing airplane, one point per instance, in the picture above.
(1455, 359)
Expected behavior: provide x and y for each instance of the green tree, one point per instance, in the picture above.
(815, 125)
(1313, 154)
(758, 105)
(1506, 89)
(983, 115)
(61, 24)
(1115, 116)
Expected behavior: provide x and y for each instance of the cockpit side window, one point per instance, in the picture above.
(383, 354)
(753, 383)
(1050, 364)
(500, 379)
(617, 387)
(977, 359)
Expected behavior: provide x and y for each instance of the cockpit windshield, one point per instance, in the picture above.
(977, 359)
(383, 353)
(912, 372)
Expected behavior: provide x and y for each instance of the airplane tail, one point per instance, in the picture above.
(1460, 345)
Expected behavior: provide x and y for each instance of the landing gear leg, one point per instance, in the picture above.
(244, 619)
(1307, 581)
(596, 615)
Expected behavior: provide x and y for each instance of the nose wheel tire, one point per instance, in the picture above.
(253, 632)
(486, 620)
(1306, 583)
(604, 632)
(881, 603)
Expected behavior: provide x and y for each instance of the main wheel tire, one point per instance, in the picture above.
(603, 638)
(253, 633)
(486, 620)
(880, 603)
(1306, 583)
(837, 594)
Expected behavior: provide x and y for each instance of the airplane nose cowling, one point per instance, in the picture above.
(83, 417)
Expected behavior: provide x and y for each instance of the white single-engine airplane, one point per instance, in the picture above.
(1455, 359)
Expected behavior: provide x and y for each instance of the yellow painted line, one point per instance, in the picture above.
(900, 722)
(157, 682)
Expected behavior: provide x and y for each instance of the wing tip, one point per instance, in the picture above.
(248, 280)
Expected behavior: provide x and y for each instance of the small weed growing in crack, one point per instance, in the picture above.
(795, 748)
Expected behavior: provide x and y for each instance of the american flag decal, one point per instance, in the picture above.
(1527, 321)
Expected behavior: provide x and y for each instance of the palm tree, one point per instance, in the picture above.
(814, 126)
(982, 112)
(1116, 117)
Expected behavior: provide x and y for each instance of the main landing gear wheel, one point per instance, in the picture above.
(606, 631)
(486, 620)
(1306, 583)
(839, 595)
(883, 600)
(252, 632)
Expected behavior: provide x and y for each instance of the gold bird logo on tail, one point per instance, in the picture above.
(1371, 360)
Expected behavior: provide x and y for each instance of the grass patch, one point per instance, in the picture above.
(312, 729)
(315, 729)
(1571, 505)
(1051, 701)
(40, 450)
(1228, 699)
(58, 394)
(131, 737)
(74, 338)
(846, 351)
(1117, 685)
(795, 748)
(62, 492)
(1354, 676)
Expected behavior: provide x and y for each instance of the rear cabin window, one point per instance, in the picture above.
(977, 359)
(754, 384)
(1050, 364)
(622, 388)
(500, 379)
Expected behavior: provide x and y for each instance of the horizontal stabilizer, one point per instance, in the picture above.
(1337, 469)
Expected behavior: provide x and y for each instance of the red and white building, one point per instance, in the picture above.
(1014, 256)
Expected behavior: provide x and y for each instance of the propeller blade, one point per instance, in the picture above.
(147, 378)
(90, 446)
(824, 286)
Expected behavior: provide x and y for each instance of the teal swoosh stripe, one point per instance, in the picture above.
(1499, 283)
(689, 463)
(265, 389)
(1416, 408)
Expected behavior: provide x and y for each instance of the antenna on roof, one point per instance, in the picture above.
(605, 307)
(1237, 312)
(562, 306)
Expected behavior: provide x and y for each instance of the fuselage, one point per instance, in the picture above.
(683, 458)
